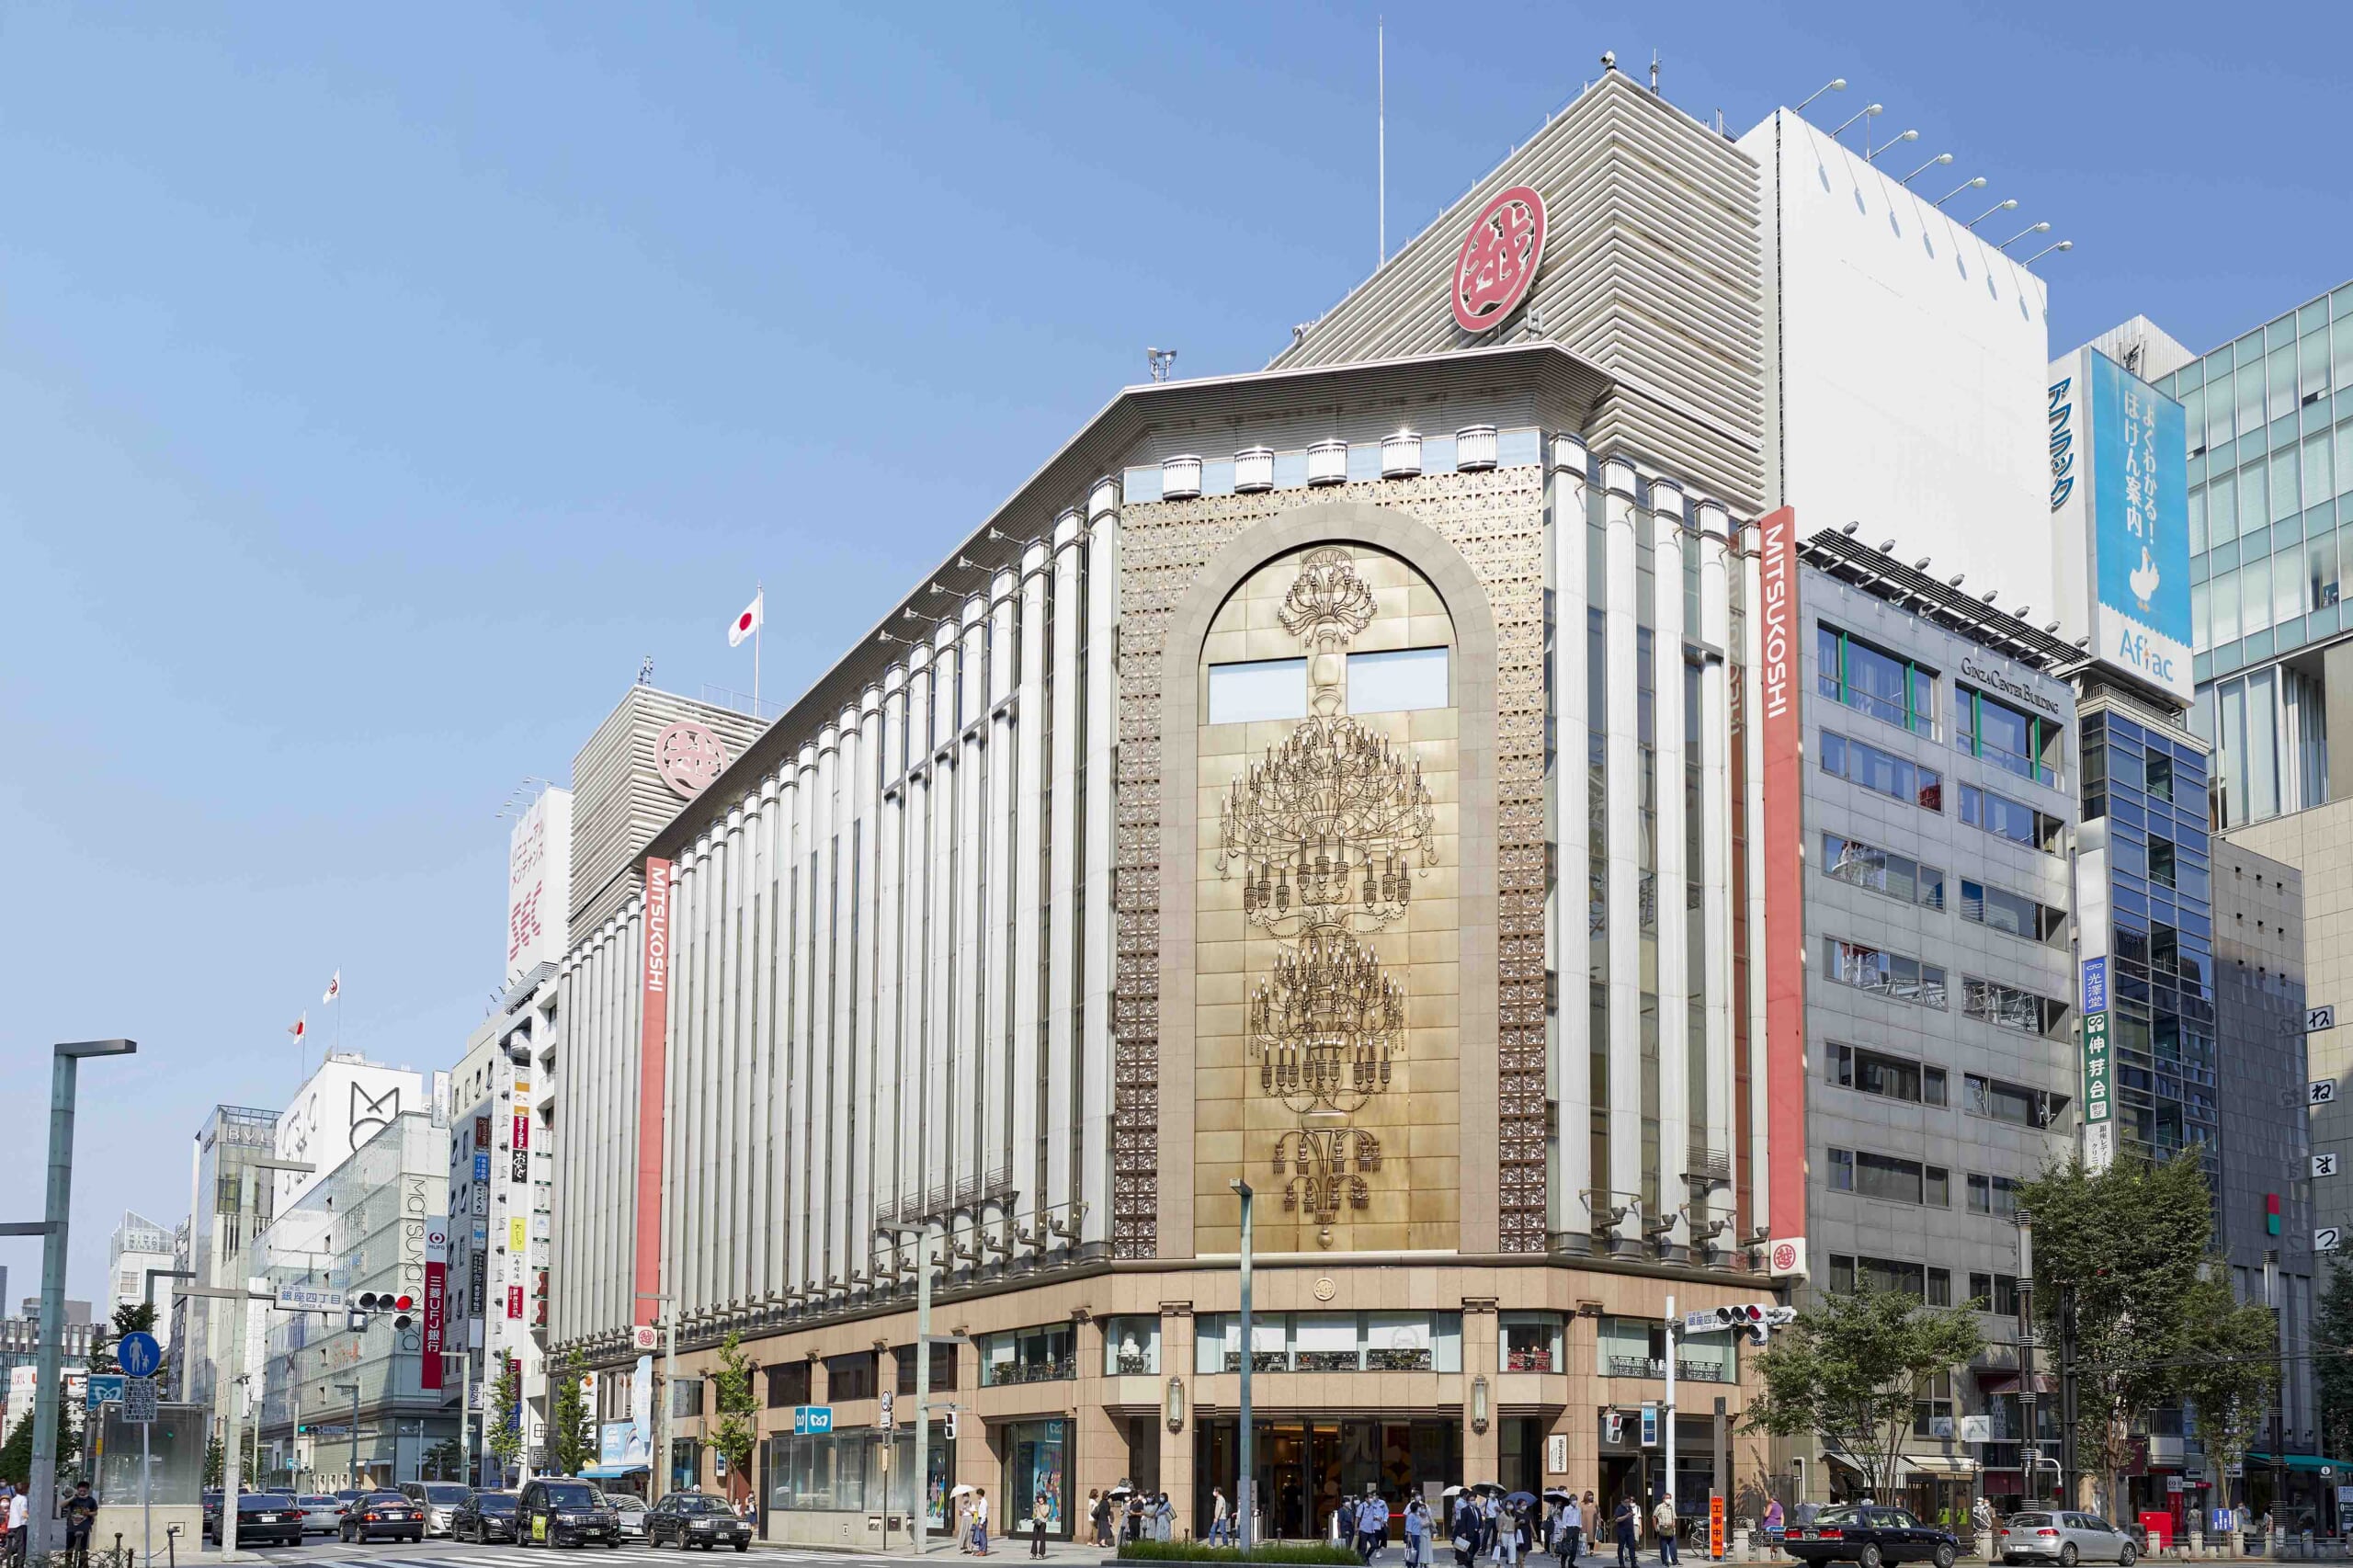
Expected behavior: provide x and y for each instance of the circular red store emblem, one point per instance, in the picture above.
(1499, 259)
(689, 758)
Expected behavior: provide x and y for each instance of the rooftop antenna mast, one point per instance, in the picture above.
(1163, 362)
(1381, 70)
(1653, 72)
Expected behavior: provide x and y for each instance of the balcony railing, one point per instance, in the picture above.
(1656, 1366)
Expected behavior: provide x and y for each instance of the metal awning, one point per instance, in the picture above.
(1919, 1464)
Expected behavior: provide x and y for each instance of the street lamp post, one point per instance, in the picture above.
(1246, 1485)
(919, 1482)
(669, 1381)
(50, 1355)
(2033, 1434)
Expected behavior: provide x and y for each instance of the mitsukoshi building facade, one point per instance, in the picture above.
(1333, 779)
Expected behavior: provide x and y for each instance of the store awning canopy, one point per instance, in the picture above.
(1909, 1464)
(2300, 1461)
(611, 1471)
(1994, 1382)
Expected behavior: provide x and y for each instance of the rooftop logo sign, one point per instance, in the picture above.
(1498, 259)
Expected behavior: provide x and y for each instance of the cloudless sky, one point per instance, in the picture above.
(378, 384)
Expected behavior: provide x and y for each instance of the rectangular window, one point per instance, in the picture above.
(1993, 1195)
(2254, 596)
(1891, 689)
(1996, 1294)
(849, 1376)
(1940, 1286)
(1881, 871)
(1258, 688)
(1890, 1179)
(2285, 493)
(1131, 1347)
(1399, 681)
(2320, 570)
(1890, 974)
(2161, 861)
(2015, 741)
(1890, 1077)
(1882, 771)
(2013, 912)
(2013, 819)
(2008, 1007)
(1027, 1355)
(789, 1385)
(2222, 513)
(2013, 1103)
(1532, 1342)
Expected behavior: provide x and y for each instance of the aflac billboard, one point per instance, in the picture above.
(2119, 495)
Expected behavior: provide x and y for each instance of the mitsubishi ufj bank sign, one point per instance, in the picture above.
(2119, 503)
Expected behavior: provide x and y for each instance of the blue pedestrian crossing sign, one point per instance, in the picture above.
(139, 1354)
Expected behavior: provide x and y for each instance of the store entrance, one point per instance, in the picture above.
(1306, 1464)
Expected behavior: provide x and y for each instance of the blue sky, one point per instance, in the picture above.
(379, 387)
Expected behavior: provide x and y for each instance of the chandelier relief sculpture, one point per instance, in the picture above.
(1325, 833)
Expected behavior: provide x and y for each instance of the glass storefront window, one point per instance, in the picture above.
(1036, 1466)
(1397, 1342)
(1131, 1347)
(1027, 1355)
(1326, 1342)
(843, 1471)
(1331, 1342)
(1532, 1342)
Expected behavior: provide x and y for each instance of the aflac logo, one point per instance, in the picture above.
(2138, 650)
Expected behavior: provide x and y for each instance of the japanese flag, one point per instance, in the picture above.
(298, 1028)
(747, 622)
(335, 986)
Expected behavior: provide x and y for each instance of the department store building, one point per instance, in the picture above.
(1227, 808)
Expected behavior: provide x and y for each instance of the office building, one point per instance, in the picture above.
(230, 1201)
(137, 1245)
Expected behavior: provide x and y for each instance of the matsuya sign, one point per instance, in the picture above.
(1498, 259)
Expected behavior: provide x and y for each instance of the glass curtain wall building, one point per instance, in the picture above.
(2271, 433)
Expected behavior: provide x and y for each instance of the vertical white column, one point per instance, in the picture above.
(841, 1069)
(806, 817)
(1624, 804)
(1002, 878)
(731, 1162)
(867, 1108)
(1666, 517)
(781, 1131)
(890, 1108)
(1062, 1074)
(1571, 1073)
(1029, 1082)
(918, 1110)
(1760, 1137)
(969, 981)
(1098, 836)
(944, 1132)
(760, 1271)
(1715, 830)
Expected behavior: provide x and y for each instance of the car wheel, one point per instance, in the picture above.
(743, 1546)
(2126, 1558)
(1944, 1554)
(2067, 1555)
(1871, 1557)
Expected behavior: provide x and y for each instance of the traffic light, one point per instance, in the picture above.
(401, 1306)
(1754, 1319)
(2270, 1213)
(947, 1426)
(1617, 1427)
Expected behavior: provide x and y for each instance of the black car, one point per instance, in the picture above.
(382, 1516)
(564, 1511)
(265, 1518)
(1870, 1534)
(691, 1519)
(484, 1518)
(210, 1514)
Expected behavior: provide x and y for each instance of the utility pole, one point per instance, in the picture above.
(1245, 1487)
(1667, 1413)
(919, 1522)
(353, 1479)
(2031, 1445)
(2067, 1459)
(669, 1380)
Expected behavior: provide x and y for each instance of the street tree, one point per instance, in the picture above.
(2334, 1373)
(737, 1426)
(135, 1317)
(1849, 1368)
(446, 1459)
(504, 1416)
(570, 1442)
(2230, 1372)
(2125, 1247)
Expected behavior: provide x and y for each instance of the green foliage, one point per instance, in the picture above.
(17, 1453)
(2130, 1243)
(570, 1442)
(506, 1414)
(216, 1462)
(446, 1459)
(1194, 1551)
(2233, 1373)
(2336, 1372)
(1849, 1368)
(137, 1317)
(736, 1430)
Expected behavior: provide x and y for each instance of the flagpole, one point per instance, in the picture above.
(759, 597)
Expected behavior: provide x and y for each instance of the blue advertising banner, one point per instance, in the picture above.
(2119, 456)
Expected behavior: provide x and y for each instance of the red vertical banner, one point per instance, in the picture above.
(1780, 663)
(652, 1034)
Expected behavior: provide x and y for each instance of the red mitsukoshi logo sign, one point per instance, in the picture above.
(1498, 259)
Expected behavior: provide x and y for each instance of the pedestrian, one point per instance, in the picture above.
(1807, 1509)
(1570, 1523)
(1505, 1545)
(1167, 1518)
(81, 1514)
(981, 1522)
(1099, 1516)
(1372, 1524)
(1417, 1533)
(1041, 1512)
(1627, 1522)
(19, 1517)
(1220, 1523)
(1775, 1527)
(1463, 1530)
(1663, 1519)
(1344, 1524)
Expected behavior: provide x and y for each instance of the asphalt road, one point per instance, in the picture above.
(327, 1552)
